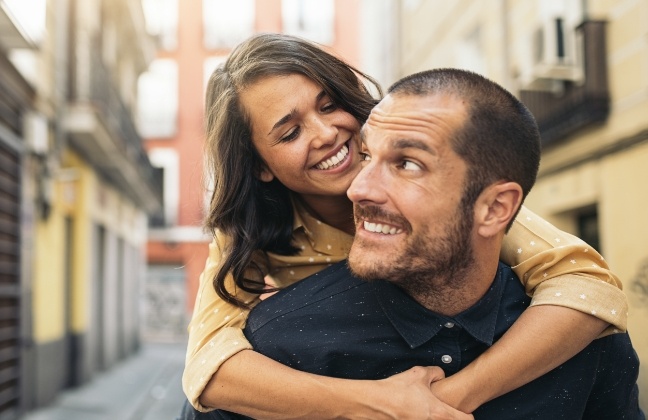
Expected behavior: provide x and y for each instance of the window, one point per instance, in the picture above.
(162, 21)
(588, 227)
(168, 161)
(310, 19)
(227, 23)
(157, 99)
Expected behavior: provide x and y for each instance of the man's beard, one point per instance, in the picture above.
(428, 265)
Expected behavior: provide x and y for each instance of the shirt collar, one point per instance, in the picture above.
(417, 325)
(323, 238)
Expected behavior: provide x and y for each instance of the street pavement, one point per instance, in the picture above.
(145, 386)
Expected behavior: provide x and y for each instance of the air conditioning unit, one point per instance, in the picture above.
(554, 56)
(36, 132)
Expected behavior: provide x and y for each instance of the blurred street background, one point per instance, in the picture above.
(101, 163)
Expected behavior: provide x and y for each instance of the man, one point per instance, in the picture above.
(449, 159)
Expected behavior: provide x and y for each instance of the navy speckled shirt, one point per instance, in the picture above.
(334, 324)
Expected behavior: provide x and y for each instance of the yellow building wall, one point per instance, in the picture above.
(75, 190)
(48, 283)
(91, 201)
(624, 223)
(77, 193)
(616, 181)
(616, 184)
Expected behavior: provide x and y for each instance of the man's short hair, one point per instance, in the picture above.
(499, 139)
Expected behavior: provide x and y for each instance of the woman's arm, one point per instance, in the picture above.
(215, 332)
(575, 299)
(259, 387)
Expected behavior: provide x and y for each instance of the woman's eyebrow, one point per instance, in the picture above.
(292, 113)
(283, 120)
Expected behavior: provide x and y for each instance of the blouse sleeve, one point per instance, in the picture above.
(215, 330)
(560, 269)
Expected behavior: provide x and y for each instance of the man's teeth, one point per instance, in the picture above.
(332, 161)
(380, 228)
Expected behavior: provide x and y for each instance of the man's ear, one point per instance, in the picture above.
(496, 206)
(265, 175)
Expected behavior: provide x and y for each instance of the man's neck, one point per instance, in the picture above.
(452, 294)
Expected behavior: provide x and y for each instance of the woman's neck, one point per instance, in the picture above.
(336, 211)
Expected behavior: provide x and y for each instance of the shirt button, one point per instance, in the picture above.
(449, 324)
(446, 359)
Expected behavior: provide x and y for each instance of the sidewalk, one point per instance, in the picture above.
(145, 386)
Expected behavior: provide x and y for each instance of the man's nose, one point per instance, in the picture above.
(368, 186)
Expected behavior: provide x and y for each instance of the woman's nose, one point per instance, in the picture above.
(324, 133)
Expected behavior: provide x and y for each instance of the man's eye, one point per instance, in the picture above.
(408, 165)
(364, 157)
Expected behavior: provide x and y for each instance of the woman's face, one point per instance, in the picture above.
(306, 141)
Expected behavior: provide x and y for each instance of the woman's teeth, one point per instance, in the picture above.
(380, 228)
(335, 160)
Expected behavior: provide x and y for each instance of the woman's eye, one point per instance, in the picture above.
(408, 165)
(292, 135)
(330, 106)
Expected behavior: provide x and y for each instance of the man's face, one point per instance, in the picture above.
(410, 222)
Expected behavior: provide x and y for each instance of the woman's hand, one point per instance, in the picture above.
(407, 395)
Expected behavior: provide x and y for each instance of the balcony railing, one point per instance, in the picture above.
(105, 96)
(579, 104)
(124, 141)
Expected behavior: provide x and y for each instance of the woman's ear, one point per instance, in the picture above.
(496, 206)
(265, 175)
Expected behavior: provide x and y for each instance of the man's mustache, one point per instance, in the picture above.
(377, 214)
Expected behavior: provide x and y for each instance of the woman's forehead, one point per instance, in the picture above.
(271, 99)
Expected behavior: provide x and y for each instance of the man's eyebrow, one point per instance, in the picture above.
(292, 113)
(409, 143)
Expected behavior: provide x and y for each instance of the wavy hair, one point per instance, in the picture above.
(256, 215)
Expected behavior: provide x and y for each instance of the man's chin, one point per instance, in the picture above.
(363, 265)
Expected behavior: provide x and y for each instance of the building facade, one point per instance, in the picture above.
(17, 98)
(85, 185)
(199, 36)
(582, 69)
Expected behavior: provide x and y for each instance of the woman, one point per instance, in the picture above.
(283, 120)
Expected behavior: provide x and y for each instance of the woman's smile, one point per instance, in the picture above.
(335, 160)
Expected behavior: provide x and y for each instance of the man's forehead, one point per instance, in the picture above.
(414, 113)
(404, 104)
